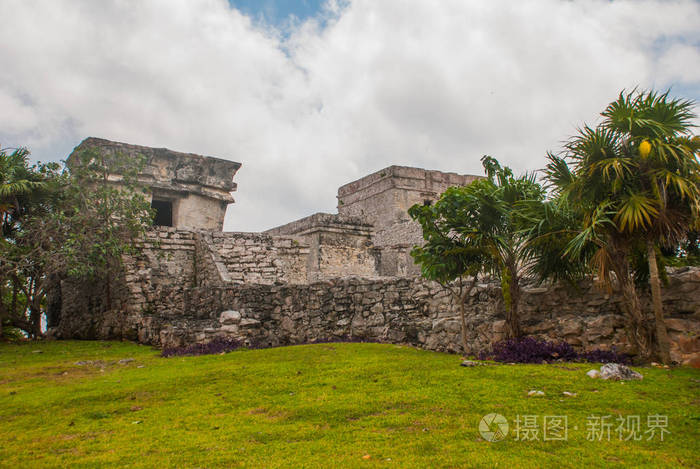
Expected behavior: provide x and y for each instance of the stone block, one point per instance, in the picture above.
(249, 322)
(689, 343)
(375, 320)
(571, 327)
(499, 327)
(599, 327)
(677, 325)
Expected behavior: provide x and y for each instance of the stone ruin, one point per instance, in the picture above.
(187, 191)
(325, 277)
(372, 234)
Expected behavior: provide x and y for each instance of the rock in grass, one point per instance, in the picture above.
(569, 394)
(593, 374)
(469, 363)
(535, 393)
(617, 372)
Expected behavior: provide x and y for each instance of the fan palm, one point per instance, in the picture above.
(15, 180)
(635, 178)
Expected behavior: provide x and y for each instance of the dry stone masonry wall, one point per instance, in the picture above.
(181, 291)
(324, 277)
(259, 258)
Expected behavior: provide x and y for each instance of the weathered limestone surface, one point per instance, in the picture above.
(259, 258)
(155, 280)
(199, 187)
(181, 291)
(325, 277)
(382, 199)
(340, 246)
(372, 234)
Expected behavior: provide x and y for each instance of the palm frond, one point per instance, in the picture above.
(636, 212)
(612, 168)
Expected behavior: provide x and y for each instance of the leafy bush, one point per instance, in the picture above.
(12, 334)
(532, 350)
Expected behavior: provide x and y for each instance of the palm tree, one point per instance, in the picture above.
(635, 178)
(548, 228)
(15, 181)
(482, 227)
(658, 132)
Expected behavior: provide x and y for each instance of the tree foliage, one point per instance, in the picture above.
(72, 223)
(480, 229)
(635, 181)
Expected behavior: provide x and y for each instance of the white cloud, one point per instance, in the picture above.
(431, 84)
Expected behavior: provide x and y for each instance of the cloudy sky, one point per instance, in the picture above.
(309, 95)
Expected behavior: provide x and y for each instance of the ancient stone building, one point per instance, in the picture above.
(383, 199)
(372, 234)
(186, 190)
(326, 276)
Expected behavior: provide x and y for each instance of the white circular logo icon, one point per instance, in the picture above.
(493, 427)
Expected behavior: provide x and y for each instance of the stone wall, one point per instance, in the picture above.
(153, 282)
(186, 287)
(313, 222)
(259, 258)
(180, 290)
(382, 200)
(339, 246)
(394, 245)
(420, 313)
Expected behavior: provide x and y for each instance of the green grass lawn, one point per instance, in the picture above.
(325, 405)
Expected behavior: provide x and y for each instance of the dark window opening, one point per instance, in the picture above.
(164, 212)
(427, 203)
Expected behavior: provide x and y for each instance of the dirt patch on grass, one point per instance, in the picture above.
(269, 414)
(50, 373)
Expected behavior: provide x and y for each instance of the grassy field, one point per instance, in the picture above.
(325, 405)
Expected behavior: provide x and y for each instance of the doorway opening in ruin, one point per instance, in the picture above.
(164, 212)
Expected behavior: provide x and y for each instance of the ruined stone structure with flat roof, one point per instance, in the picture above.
(187, 190)
(347, 275)
(372, 222)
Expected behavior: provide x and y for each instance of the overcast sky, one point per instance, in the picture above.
(311, 101)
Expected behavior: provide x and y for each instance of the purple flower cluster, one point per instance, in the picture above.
(224, 345)
(532, 350)
(217, 345)
(605, 356)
